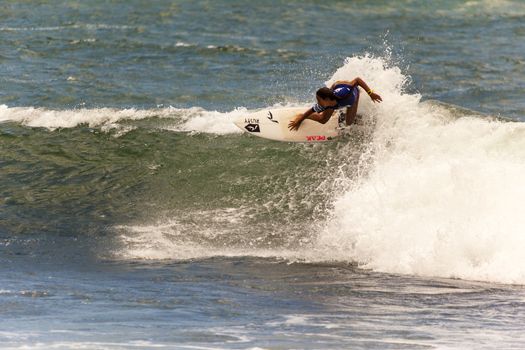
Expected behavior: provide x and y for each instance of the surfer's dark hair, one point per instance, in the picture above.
(326, 93)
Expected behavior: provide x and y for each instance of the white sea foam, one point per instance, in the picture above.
(212, 122)
(54, 119)
(443, 197)
(183, 44)
(193, 119)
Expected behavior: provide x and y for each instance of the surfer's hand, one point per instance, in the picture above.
(296, 122)
(375, 97)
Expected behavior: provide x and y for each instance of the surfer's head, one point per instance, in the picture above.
(325, 97)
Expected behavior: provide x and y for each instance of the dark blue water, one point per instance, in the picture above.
(134, 214)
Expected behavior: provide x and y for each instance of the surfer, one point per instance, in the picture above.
(341, 94)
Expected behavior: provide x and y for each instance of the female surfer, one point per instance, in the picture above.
(341, 94)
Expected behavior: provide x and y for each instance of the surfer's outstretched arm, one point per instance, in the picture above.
(296, 122)
(310, 114)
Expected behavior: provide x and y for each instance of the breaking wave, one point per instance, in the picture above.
(420, 188)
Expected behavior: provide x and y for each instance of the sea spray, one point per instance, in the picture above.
(443, 196)
(193, 119)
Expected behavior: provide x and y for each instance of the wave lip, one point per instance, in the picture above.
(54, 119)
(193, 119)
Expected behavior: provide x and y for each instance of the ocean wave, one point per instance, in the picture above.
(438, 194)
(194, 119)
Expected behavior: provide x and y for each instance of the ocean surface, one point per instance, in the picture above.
(135, 215)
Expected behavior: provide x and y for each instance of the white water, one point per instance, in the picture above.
(193, 119)
(444, 197)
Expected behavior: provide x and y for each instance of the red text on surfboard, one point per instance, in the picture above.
(316, 138)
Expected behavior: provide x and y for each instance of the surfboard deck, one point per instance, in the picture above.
(272, 124)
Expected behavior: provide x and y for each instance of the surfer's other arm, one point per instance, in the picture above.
(359, 82)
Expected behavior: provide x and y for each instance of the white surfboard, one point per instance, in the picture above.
(273, 124)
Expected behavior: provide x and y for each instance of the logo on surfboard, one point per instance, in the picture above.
(270, 116)
(317, 138)
(253, 127)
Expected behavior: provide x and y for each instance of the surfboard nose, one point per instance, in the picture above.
(240, 123)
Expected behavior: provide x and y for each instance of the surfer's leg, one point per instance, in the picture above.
(351, 112)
